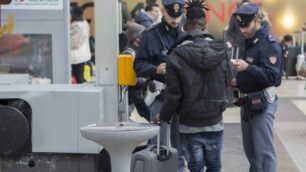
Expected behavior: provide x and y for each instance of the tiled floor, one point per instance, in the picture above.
(293, 137)
(301, 104)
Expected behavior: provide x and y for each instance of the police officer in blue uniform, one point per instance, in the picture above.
(259, 72)
(156, 42)
(152, 54)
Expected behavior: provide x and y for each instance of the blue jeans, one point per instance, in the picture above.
(203, 150)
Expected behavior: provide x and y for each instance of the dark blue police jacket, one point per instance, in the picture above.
(264, 56)
(153, 49)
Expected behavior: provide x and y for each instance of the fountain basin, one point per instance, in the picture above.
(120, 139)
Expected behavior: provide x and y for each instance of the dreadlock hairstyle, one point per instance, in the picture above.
(195, 15)
(196, 9)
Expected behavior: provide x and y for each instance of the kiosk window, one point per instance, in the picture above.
(26, 53)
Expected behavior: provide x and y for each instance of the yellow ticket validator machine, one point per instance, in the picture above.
(126, 73)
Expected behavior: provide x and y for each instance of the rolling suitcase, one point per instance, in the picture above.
(156, 158)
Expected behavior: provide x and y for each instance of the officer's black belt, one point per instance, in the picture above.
(241, 95)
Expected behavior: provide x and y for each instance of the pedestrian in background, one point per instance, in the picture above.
(149, 16)
(137, 93)
(286, 43)
(80, 49)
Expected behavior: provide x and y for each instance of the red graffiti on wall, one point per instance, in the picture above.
(220, 12)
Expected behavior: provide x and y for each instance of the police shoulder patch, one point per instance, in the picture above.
(273, 59)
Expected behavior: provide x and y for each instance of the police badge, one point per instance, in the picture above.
(238, 18)
(176, 7)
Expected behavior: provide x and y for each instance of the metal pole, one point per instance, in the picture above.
(107, 50)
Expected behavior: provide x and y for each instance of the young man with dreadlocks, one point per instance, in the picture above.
(198, 74)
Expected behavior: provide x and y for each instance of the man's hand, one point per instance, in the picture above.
(233, 84)
(229, 44)
(156, 119)
(240, 65)
(161, 69)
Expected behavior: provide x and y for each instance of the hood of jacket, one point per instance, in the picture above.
(142, 17)
(200, 50)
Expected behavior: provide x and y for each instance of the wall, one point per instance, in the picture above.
(285, 15)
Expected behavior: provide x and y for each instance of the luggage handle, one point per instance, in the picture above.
(167, 141)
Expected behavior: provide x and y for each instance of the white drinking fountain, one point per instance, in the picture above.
(120, 139)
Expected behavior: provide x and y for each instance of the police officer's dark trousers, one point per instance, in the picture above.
(258, 141)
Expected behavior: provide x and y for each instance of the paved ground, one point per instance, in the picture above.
(290, 132)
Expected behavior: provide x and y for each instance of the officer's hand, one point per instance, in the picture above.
(240, 65)
(161, 69)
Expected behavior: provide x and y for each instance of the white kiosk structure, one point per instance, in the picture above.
(49, 117)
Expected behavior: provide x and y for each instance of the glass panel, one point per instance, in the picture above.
(26, 53)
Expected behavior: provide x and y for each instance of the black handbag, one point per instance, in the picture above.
(257, 101)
